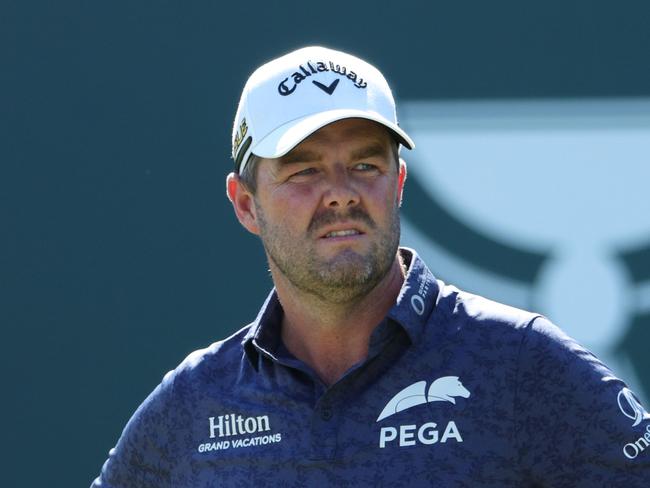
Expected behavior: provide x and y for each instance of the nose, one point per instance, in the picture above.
(341, 192)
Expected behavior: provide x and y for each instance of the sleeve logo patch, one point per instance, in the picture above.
(631, 407)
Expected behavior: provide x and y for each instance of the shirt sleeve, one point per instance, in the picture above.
(142, 455)
(577, 424)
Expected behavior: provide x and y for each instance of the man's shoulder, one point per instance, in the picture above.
(220, 361)
(462, 305)
(453, 305)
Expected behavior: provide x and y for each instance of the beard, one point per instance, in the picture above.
(342, 278)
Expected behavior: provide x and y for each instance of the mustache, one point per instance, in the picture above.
(329, 217)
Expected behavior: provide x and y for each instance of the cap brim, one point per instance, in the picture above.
(287, 136)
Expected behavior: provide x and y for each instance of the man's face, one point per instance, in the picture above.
(328, 211)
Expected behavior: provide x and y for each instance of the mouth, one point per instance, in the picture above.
(342, 233)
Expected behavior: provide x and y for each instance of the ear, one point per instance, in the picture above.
(401, 180)
(243, 203)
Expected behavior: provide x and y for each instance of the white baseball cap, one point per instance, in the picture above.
(291, 97)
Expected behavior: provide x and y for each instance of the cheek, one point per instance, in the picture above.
(292, 205)
(296, 193)
(383, 198)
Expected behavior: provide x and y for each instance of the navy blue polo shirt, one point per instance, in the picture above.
(456, 391)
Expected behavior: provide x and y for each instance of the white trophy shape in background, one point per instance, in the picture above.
(566, 179)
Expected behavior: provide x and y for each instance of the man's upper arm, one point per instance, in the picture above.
(142, 455)
(575, 417)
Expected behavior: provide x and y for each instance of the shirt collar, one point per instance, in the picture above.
(417, 297)
(411, 310)
(264, 333)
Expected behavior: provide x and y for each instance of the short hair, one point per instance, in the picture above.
(248, 176)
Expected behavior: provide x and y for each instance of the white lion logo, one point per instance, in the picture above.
(443, 389)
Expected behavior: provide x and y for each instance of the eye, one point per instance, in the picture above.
(303, 173)
(365, 167)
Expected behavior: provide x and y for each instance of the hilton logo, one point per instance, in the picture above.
(247, 432)
(233, 424)
(541, 205)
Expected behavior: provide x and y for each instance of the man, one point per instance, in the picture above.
(362, 369)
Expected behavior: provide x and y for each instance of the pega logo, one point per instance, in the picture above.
(444, 389)
(631, 407)
(441, 390)
(426, 434)
(301, 74)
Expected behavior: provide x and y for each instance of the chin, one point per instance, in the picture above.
(351, 276)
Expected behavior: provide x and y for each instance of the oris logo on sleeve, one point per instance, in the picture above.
(632, 409)
(445, 389)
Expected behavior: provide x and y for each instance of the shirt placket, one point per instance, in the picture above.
(324, 426)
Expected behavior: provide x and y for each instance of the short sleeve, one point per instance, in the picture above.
(142, 455)
(577, 424)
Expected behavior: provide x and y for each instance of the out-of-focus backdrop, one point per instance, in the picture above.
(120, 254)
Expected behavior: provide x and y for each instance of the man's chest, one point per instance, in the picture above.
(413, 426)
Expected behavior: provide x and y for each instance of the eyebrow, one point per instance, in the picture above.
(300, 156)
(369, 151)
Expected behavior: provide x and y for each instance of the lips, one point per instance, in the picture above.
(341, 230)
(343, 233)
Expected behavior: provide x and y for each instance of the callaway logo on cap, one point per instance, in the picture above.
(289, 98)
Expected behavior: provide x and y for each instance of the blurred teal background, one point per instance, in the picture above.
(120, 253)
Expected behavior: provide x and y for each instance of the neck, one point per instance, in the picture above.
(332, 337)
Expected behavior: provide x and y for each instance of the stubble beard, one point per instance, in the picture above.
(344, 278)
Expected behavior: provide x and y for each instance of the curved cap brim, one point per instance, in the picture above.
(287, 136)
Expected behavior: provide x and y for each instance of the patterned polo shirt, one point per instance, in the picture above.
(456, 391)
